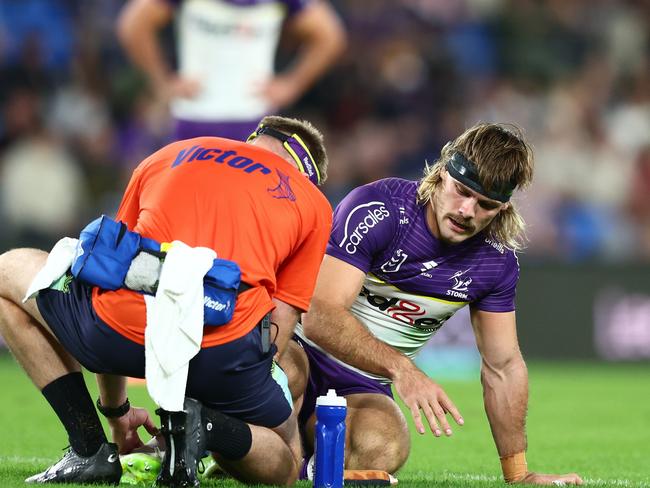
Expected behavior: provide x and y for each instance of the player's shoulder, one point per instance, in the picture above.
(384, 198)
(495, 251)
(393, 190)
(495, 246)
(394, 186)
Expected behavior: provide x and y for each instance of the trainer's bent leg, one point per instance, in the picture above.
(274, 458)
(22, 325)
(54, 371)
(377, 435)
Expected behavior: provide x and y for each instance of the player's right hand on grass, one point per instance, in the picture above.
(421, 393)
(551, 479)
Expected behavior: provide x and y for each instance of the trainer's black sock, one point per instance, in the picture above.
(71, 402)
(225, 435)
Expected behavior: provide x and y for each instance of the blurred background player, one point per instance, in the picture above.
(211, 192)
(226, 51)
(403, 257)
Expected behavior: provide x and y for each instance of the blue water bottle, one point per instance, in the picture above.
(330, 440)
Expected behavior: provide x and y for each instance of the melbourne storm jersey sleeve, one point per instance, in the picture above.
(364, 225)
(414, 282)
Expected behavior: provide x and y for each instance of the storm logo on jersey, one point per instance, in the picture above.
(461, 284)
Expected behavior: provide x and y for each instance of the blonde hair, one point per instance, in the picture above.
(309, 134)
(502, 158)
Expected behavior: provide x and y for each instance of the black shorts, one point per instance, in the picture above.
(237, 378)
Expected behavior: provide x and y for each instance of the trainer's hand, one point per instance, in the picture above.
(419, 392)
(551, 479)
(124, 429)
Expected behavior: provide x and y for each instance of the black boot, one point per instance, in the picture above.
(102, 467)
(185, 440)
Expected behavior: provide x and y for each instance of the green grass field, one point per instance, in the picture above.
(590, 418)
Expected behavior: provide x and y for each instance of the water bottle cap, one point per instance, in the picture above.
(331, 400)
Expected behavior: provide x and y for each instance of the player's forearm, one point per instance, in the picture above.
(112, 389)
(342, 335)
(137, 30)
(321, 49)
(144, 52)
(505, 394)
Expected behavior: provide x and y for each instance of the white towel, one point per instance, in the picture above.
(175, 323)
(58, 262)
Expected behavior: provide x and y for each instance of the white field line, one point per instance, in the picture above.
(26, 460)
(420, 474)
(491, 479)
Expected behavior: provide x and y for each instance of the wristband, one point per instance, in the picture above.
(114, 412)
(514, 467)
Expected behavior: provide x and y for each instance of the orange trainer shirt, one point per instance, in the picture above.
(248, 204)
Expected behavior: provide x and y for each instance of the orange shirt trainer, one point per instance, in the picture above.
(245, 202)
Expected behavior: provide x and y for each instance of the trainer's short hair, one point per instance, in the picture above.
(309, 134)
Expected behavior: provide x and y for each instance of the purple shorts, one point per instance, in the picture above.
(239, 131)
(324, 373)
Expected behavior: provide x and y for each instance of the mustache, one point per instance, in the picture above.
(463, 221)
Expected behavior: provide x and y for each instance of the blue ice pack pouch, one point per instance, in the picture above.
(220, 288)
(106, 249)
(104, 253)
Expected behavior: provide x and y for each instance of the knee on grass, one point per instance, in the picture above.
(372, 450)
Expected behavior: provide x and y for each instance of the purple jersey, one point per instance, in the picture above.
(414, 282)
(228, 47)
(292, 6)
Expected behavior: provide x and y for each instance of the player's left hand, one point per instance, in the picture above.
(124, 429)
(551, 479)
(280, 91)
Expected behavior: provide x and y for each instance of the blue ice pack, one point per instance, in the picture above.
(220, 289)
(106, 249)
(104, 253)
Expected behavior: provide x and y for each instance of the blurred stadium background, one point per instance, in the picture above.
(75, 118)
